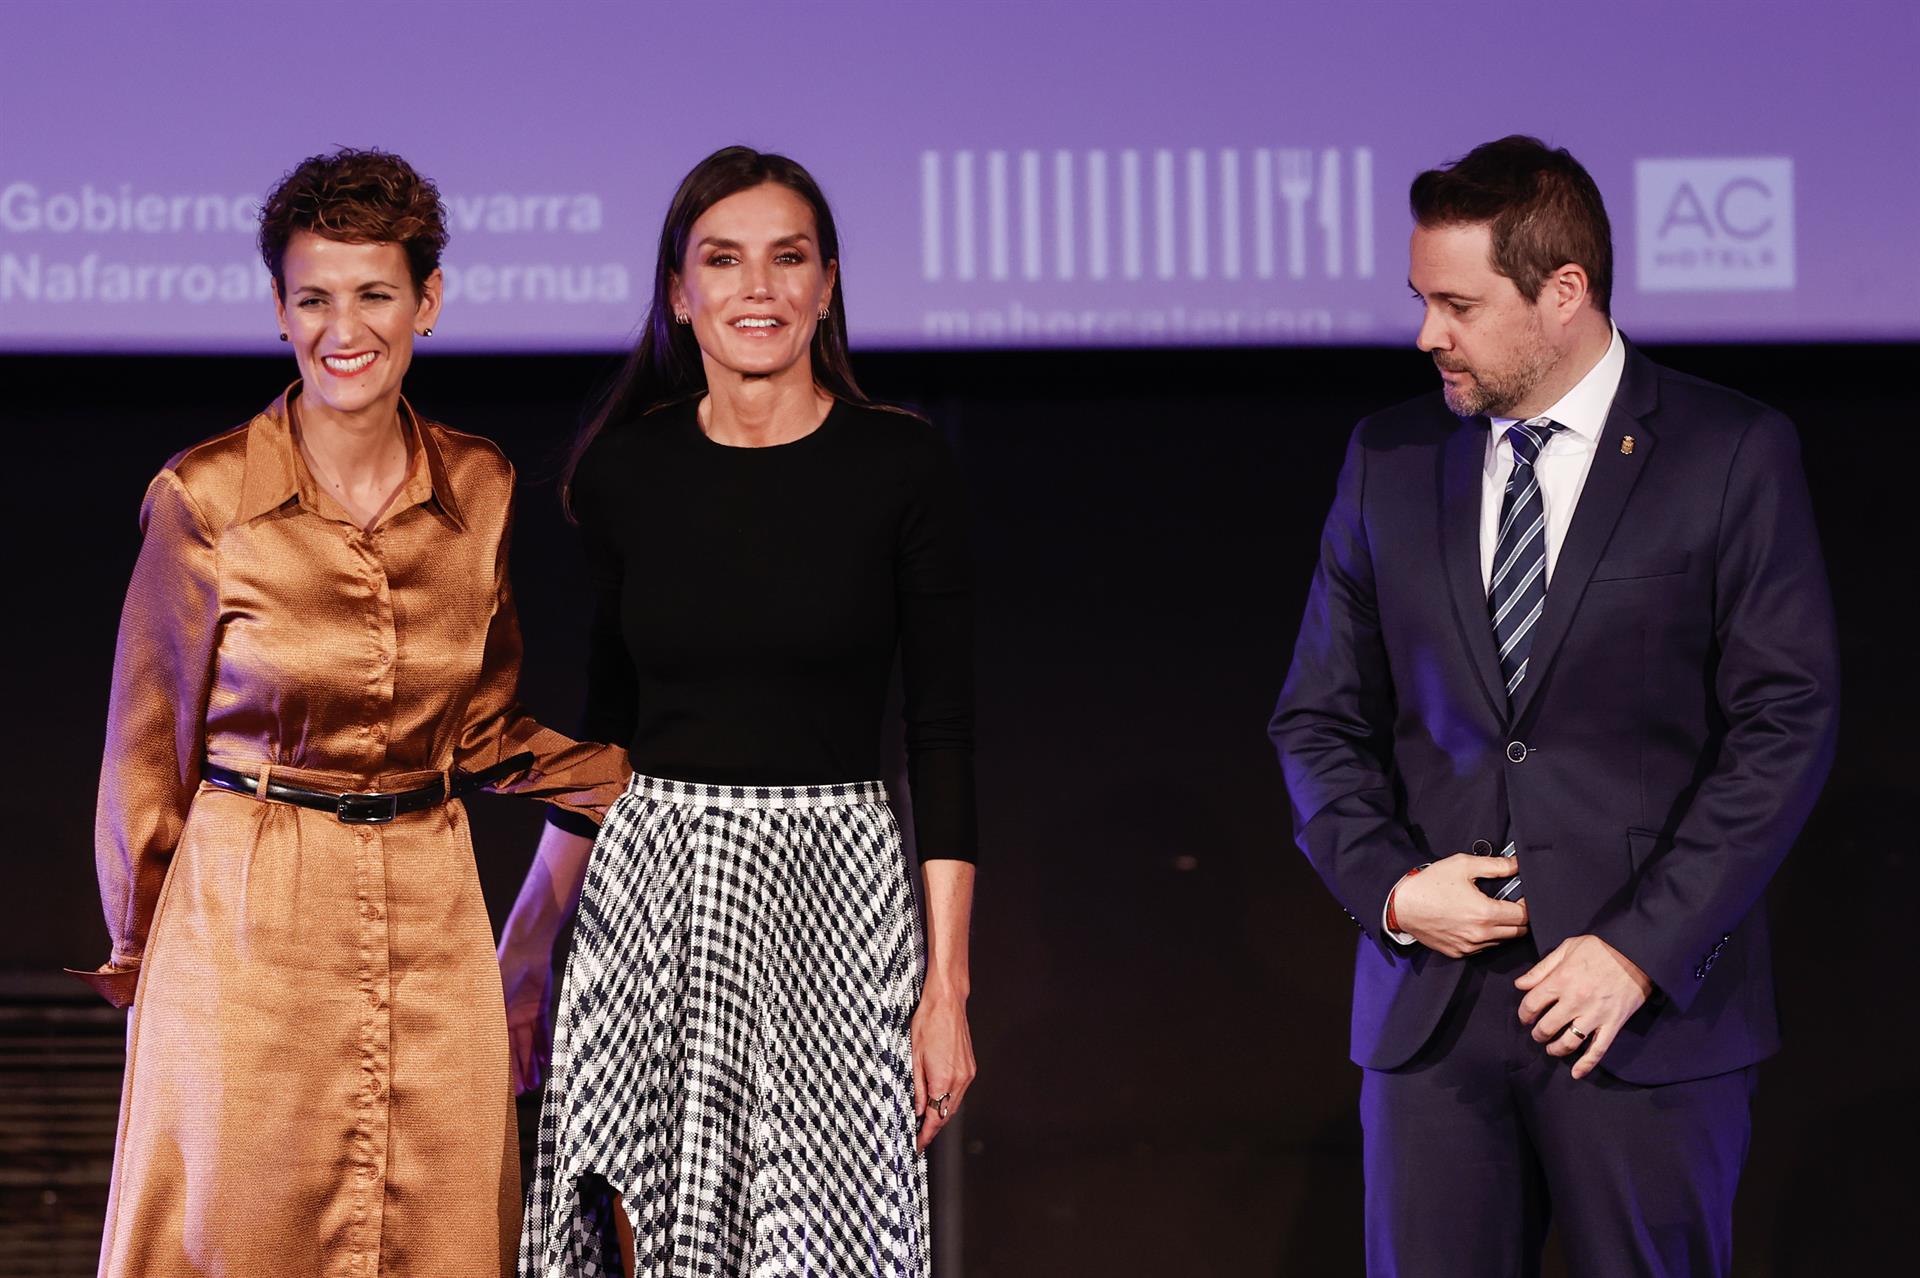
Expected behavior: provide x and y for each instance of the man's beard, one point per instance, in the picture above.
(1495, 392)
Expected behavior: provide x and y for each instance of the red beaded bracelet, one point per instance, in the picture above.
(1393, 921)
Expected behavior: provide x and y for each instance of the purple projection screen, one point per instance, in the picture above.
(1040, 173)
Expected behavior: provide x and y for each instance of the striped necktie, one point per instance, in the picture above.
(1518, 589)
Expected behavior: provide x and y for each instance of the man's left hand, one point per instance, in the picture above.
(1580, 995)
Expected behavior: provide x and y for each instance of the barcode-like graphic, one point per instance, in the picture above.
(1267, 213)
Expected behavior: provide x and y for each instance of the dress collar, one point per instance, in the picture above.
(276, 474)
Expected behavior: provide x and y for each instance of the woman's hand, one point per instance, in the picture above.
(943, 1066)
(526, 974)
(546, 902)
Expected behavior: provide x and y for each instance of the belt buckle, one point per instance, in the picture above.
(366, 808)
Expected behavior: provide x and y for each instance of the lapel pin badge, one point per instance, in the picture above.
(1626, 446)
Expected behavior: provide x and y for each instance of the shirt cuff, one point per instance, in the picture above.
(112, 982)
(1403, 938)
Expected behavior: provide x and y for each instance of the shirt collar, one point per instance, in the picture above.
(1583, 410)
(275, 474)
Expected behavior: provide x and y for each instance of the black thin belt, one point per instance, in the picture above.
(366, 807)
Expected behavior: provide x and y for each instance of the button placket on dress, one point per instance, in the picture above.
(373, 1127)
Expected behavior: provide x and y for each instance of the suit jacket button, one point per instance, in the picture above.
(1482, 848)
(1516, 751)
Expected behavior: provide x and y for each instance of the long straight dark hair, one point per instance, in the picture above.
(665, 365)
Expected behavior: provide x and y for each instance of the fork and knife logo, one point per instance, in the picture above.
(1296, 166)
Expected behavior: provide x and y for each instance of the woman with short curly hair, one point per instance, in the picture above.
(318, 656)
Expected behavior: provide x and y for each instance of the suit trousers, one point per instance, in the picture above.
(1480, 1140)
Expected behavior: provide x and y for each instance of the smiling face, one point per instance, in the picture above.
(1496, 348)
(753, 283)
(351, 312)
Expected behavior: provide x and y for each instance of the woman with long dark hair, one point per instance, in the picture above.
(749, 1064)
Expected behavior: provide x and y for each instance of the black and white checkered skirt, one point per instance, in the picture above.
(732, 1054)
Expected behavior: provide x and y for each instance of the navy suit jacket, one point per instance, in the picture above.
(1676, 723)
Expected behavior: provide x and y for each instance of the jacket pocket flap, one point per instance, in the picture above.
(1644, 845)
(1628, 568)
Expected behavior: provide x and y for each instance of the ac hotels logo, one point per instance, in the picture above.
(1711, 225)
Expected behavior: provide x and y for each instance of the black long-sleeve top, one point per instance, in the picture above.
(749, 603)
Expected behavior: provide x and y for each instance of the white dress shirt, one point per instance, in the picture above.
(1561, 468)
(1564, 459)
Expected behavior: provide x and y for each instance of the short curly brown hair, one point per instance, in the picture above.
(357, 197)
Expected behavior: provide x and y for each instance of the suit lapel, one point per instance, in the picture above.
(1609, 482)
(1463, 461)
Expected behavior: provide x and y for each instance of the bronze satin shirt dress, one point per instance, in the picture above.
(317, 1076)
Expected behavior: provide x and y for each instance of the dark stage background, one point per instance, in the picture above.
(1161, 984)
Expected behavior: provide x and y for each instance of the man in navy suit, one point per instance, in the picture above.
(1563, 696)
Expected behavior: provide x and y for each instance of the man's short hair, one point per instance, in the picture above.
(1542, 208)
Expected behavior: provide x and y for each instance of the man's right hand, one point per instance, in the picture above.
(1442, 908)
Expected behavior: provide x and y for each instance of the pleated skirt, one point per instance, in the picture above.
(732, 1054)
